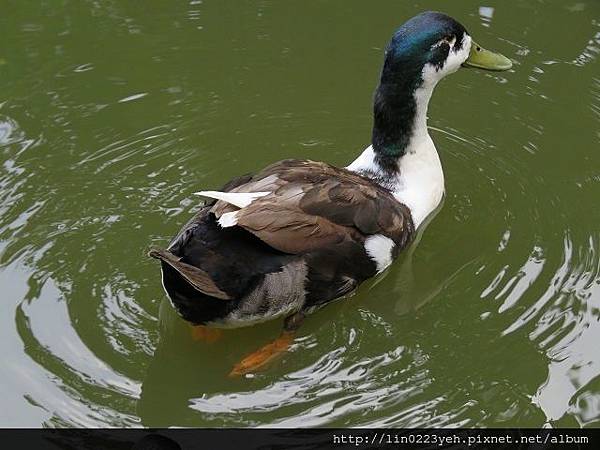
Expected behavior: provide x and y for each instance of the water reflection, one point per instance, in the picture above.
(110, 119)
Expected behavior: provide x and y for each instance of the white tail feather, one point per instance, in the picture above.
(239, 199)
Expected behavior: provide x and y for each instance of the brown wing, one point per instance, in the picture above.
(312, 205)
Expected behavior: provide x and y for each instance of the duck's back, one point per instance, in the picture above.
(294, 236)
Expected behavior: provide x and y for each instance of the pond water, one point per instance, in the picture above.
(113, 114)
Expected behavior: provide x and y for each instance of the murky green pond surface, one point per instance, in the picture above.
(113, 113)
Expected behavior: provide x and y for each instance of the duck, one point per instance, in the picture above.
(291, 238)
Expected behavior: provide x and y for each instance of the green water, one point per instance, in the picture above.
(113, 113)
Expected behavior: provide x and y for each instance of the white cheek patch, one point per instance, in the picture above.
(433, 74)
(457, 57)
(379, 248)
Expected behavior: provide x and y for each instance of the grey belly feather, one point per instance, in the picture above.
(280, 294)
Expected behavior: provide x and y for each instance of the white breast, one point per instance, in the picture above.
(421, 180)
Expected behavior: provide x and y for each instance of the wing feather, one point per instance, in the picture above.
(312, 205)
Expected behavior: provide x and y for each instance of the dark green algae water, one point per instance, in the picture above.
(113, 113)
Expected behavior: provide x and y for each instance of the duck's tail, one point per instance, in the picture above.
(196, 277)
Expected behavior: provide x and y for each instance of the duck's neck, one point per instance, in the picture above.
(402, 156)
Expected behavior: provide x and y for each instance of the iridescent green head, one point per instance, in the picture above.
(435, 41)
(422, 51)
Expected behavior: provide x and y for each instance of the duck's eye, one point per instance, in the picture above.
(478, 48)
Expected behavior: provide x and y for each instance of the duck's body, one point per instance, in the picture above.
(300, 234)
(317, 233)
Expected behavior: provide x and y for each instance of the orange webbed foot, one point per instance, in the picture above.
(206, 334)
(261, 357)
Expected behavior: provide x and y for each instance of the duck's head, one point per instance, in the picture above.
(422, 51)
(432, 45)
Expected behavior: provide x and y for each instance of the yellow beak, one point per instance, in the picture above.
(485, 59)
